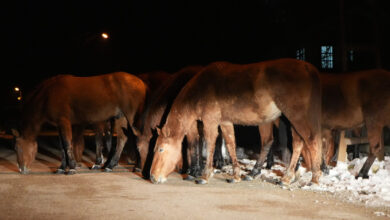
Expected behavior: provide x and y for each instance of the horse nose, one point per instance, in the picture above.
(153, 179)
(23, 170)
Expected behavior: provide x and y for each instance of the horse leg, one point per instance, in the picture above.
(374, 134)
(78, 143)
(266, 135)
(297, 149)
(120, 124)
(108, 131)
(230, 140)
(62, 168)
(65, 129)
(283, 139)
(99, 129)
(194, 156)
(210, 132)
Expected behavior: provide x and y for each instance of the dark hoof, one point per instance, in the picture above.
(189, 178)
(107, 170)
(201, 181)
(60, 171)
(232, 181)
(96, 167)
(364, 176)
(72, 172)
(137, 170)
(248, 178)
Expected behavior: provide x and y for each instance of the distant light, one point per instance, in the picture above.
(19, 98)
(16, 89)
(105, 35)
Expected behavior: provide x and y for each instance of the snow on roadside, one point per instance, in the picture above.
(374, 192)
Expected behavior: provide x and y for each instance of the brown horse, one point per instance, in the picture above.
(153, 80)
(351, 100)
(157, 109)
(223, 93)
(67, 100)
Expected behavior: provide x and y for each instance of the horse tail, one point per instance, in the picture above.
(315, 98)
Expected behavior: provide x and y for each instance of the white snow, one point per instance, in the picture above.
(373, 192)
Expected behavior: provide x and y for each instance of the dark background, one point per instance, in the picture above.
(47, 38)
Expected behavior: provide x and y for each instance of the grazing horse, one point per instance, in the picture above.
(157, 109)
(153, 80)
(252, 94)
(351, 100)
(67, 100)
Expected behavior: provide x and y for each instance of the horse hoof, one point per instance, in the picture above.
(137, 170)
(107, 170)
(201, 181)
(233, 180)
(60, 171)
(364, 176)
(248, 178)
(189, 178)
(71, 172)
(96, 167)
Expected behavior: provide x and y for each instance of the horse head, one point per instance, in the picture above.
(167, 154)
(26, 149)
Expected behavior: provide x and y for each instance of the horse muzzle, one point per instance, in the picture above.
(158, 180)
(24, 170)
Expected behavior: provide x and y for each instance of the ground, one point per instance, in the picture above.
(123, 194)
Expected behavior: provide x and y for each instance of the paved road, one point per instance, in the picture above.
(125, 195)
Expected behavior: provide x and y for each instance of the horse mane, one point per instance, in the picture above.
(166, 94)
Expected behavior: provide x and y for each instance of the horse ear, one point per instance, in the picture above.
(15, 132)
(136, 131)
(166, 132)
(158, 131)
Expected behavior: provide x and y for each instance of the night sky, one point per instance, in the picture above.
(46, 38)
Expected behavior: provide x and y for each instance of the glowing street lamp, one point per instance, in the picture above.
(104, 35)
(19, 92)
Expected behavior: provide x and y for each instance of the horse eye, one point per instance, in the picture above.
(161, 150)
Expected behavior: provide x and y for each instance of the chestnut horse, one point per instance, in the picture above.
(252, 94)
(157, 109)
(351, 100)
(68, 100)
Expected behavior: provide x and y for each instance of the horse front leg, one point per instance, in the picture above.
(65, 131)
(230, 140)
(78, 143)
(194, 141)
(210, 134)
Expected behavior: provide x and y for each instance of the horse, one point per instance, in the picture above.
(351, 100)
(248, 94)
(67, 100)
(153, 81)
(156, 111)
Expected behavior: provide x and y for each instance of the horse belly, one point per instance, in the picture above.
(252, 114)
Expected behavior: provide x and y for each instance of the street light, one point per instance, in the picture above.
(19, 93)
(104, 35)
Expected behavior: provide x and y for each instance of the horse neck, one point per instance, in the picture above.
(30, 130)
(178, 122)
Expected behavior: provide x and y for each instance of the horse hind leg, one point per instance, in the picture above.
(120, 125)
(99, 129)
(376, 145)
(228, 134)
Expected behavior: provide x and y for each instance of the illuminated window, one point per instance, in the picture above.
(301, 54)
(351, 55)
(327, 57)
